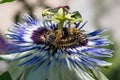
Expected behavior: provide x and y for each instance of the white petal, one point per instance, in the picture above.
(15, 70)
(99, 75)
(8, 57)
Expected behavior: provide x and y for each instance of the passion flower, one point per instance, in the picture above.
(57, 48)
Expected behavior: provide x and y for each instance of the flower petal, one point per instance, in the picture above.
(99, 75)
(12, 48)
(14, 70)
(98, 52)
(100, 41)
(97, 32)
(8, 57)
(97, 62)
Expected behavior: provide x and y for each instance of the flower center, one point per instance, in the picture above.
(38, 36)
(66, 38)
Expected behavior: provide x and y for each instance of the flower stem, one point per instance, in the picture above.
(60, 26)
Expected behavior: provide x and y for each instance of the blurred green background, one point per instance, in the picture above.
(98, 13)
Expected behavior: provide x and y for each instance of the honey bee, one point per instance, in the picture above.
(66, 38)
(78, 35)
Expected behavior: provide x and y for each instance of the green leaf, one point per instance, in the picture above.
(4, 1)
(5, 76)
(1, 58)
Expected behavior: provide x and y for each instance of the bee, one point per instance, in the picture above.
(78, 35)
(69, 37)
(82, 39)
(49, 37)
(53, 37)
